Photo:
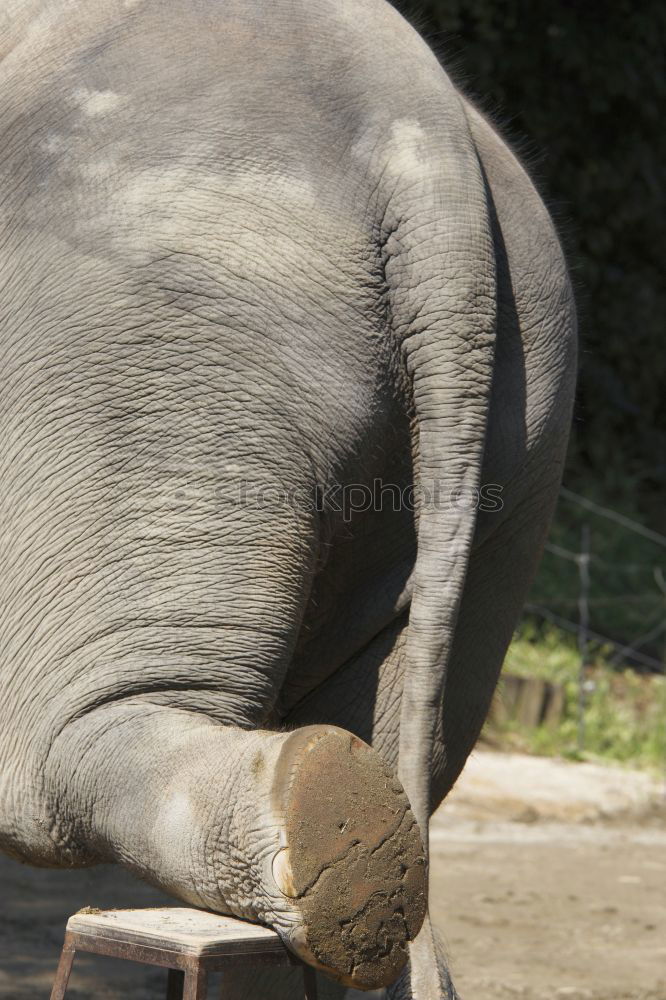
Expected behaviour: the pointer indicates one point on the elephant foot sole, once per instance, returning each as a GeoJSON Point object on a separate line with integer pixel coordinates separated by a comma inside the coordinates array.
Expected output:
{"type": "Point", "coordinates": [352, 862]}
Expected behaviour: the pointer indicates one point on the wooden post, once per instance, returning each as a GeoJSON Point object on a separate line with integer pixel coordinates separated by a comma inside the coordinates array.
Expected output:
{"type": "Point", "coordinates": [175, 983]}
{"type": "Point", "coordinates": [310, 983]}
{"type": "Point", "coordinates": [583, 626]}
{"type": "Point", "coordinates": [64, 969]}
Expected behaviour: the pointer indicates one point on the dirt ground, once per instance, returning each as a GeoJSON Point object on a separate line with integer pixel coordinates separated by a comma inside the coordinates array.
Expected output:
{"type": "Point", "coordinates": [549, 883]}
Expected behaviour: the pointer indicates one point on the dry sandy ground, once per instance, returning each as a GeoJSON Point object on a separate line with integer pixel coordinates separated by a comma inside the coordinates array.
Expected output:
{"type": "Point", "coordinates": [549, 883]}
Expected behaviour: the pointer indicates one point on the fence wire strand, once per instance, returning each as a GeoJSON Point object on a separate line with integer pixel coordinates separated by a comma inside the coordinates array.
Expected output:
{"type": "Point", "coordinates": [630, 651]}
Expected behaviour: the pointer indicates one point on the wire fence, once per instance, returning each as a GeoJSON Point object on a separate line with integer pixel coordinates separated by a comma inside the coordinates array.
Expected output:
{"type": "Point", "coordinates": [609, 591]}
{"type": "Point", "coordinates": [616, 603]}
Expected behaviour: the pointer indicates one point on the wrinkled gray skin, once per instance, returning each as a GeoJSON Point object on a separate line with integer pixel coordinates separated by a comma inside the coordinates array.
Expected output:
{"type": "Point", "coordinates": [270, 242]}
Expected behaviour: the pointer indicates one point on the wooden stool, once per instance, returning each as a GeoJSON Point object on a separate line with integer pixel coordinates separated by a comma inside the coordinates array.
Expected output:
{"type": "Point", "coordinates": [189, 943]}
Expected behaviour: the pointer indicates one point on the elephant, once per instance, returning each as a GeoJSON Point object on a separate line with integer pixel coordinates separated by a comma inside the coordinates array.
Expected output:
{"type": "Point", "coordinates": [288, 358]}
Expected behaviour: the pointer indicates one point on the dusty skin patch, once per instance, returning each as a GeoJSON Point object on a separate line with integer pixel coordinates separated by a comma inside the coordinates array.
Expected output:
{"type": "Point", "coordinates": [403, 154]}
{"type": "Point", "coordinates": [97, 102]}
{"type": "Point", "coordinates": [258, 764]}
{"type": "Point", "coordinates": [407, 141]}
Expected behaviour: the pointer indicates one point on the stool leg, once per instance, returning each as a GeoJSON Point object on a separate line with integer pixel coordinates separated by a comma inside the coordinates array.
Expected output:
{"type": "Point", "coordinates": [175, 981]}
{"type": "Point", "coordinates": [63, 971]}
{"type": "Point", "coordinates": [310, 983]}
{"type": "Point", "coordinates": [196, 983]}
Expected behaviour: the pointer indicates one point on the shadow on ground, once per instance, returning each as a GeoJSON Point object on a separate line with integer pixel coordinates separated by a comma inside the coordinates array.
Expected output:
{"type": "Point", "coordinates": [35, 904]}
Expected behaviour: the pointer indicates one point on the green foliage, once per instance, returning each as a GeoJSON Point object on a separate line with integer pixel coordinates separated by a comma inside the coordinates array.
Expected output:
{"type": "Point", "coordinates": [625, 713]}
{"type": "Point", "coordinates": [585, 85]}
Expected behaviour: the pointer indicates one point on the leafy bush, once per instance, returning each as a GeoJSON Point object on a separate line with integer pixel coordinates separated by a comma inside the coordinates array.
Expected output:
{"type": "Point", "coordinates": [625, 713]}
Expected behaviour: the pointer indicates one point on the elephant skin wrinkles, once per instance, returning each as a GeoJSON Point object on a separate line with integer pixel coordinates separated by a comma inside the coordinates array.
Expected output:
{"type": "Point", "coordinates": [252, 253]}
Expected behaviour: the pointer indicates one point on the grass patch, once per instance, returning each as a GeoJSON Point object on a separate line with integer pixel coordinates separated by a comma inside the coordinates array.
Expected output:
{"type": "Point", "coordinates": [625, 712]}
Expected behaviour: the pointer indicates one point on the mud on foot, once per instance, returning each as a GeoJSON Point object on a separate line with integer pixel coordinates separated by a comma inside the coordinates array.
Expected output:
{"type": "Point", "coordinates": [352, 860]}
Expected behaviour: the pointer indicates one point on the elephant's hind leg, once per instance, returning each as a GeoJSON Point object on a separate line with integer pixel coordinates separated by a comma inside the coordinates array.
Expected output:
{"type": "Point", "coordinates": [306, 831]}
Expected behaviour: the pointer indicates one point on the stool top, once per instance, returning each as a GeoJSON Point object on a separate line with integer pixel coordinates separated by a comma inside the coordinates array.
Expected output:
{"type": "Point", "coordinates": [178, 928]}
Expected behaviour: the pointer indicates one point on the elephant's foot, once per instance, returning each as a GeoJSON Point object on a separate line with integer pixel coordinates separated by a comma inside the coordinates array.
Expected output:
{"type": "Point", "coordinates": [308, 832]}
{"type": "Point", "coordinates": [352, 862]}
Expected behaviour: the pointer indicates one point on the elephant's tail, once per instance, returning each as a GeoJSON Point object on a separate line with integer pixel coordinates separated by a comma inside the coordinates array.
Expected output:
{"type": "Point", "coordinates": [439, 265]}
{"type": "Point", "coordinates": [440, 273]}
